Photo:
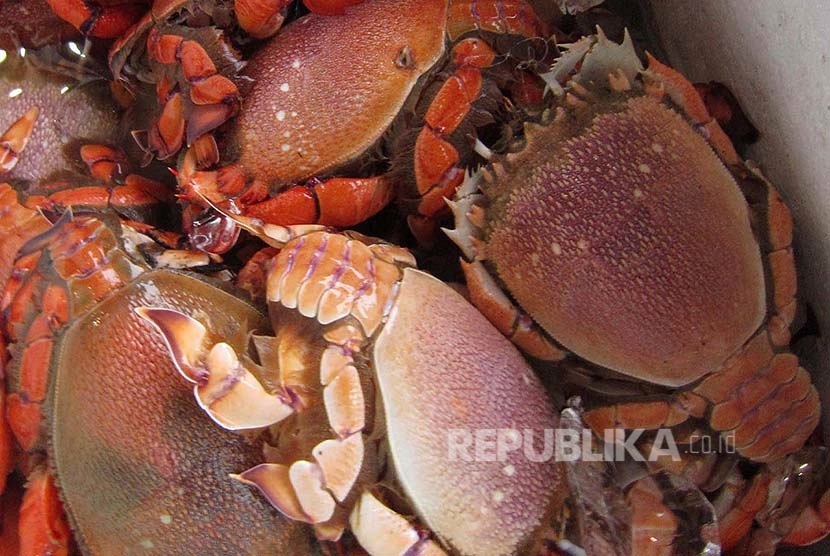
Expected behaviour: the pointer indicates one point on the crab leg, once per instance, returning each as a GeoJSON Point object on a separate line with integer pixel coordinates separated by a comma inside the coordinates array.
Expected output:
{"type": "Point", "coordinates": [223, 385]}
{"type": "Point", "coordinates": [260, 18]}
{"type": "Point", "coordinates": [196, 98]}
{"type": "Point", "coordinates": [330, 7]}
{"type": "Point", "coordinates": [337, 202]}
{"type": "Point", "coordinates": [380, 530]}
{"type": "Point", "coordinates": [349, 279]}
{"type": "Point", "coordinates": [19, 224]}
{"type": "Point", "coordinates": [437, 171]}
{"type": "Point", "coordinates": [14, 140]}
{"type": "Point", "coordinates": [137, 198]}
{"type": "Point", "coordinates": [43, 527]}
{"type": "Point", "coordinates": [509, 319]}
{"type": "Point", "coordinates": [661, 79]}
{"type": "Point", "coordinates": [107, 21]}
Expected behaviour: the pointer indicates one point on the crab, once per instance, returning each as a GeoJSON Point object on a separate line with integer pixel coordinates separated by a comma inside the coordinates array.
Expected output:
{"type": "Point", "coordinates": [635, 242]}
{"type": "Point", "coordinates": [315, 115]}
{"type": "Point", "coordinates": [371, 365]}
{"type": "Point", "coordinates": [131, 462]}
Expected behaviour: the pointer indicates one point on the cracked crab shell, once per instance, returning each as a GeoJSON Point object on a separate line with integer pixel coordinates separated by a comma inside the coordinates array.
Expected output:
{"type": "Point", "coordinates": [445, 374]}
{"type": "Point", "coordinates": [326, 88]}
{"type": "Point", "coordinates": [627, 239]}
{"type": "Point", "coordinates": [140, 467]}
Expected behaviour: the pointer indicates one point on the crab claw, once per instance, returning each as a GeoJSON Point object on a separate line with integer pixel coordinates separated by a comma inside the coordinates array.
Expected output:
{"type": "Point", "coordinates": [223, 386]}
{"type": "Point", "coordinates": [14, 140]}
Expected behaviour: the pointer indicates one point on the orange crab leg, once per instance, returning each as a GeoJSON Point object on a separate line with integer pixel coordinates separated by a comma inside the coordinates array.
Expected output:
{"type": "Point", "coordinates": [260, 18]}
{"type": "Point", "coordinates": [684, 94]}
{"type": "Point", "coordinates": [437, 173]}
{"type": "Point", "coordinates": [14, 140]}
{"type": "Point", "coordinates": [736, 524]}
{"type": "Point", "coordinates": [513, 323]}
{"type": "Point", "coordinates": [50, 313]}
{"type": "Point", "coordinates": [337, 202]}
{"type": "Point", "coordinates": [43, 525]}
{"type": "Point", "coordinates": [94, 19]}
{"type": "Point", "coordinates": [653, 525]}
{"type": "Point", "coordinates": [636, 415]}
{"type": "Point", "coordinates": [104, 163]}
{"type": "Point", "coordinates": [6, 440]}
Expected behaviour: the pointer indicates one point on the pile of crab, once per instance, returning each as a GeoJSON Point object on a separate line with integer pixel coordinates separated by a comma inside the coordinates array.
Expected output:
{"type": "Point", "coordinates": [216, 339]}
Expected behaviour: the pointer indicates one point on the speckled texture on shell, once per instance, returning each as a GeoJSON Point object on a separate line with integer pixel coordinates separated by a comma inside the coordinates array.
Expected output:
{"type": "Point", "coordinates": [629, 242]}
{"type": "Point", "coordinates": [141, 467]}
{"type": "Point", "coordinates": [441, 366]}
{"type": "Point", "coordinates": [327, 87]}
{"type": "Point", "coordinates": [80, 114]}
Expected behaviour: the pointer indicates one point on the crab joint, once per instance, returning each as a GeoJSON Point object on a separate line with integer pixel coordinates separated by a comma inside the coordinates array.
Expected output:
{"type": "Point", "coordinates": [229, 393]}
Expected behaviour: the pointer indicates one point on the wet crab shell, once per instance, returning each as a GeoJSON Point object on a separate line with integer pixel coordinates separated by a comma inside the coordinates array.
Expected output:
{"type": "Point", "coordinates": [282, 134]}
{"type": "Point", "coordinates": [624, 236]}
{"type": "Point", "coordinates": [138, 467]}
{"type": "Point", "coordinates": [674, 224]}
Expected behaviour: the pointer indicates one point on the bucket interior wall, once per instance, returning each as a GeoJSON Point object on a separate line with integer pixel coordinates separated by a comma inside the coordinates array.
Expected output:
{"type": "Point", "coordinates": [775, 57]}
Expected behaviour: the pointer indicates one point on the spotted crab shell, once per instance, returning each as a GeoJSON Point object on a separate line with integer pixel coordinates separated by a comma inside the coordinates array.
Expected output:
{"type": "Point", "coordinates": [156, 478]}
{"type": "Point", "coordinates": [286, 133]}
{"type": "Point", "coordinates": [623, 234]}
{"type": "Point", "coordinates": [435, 377]}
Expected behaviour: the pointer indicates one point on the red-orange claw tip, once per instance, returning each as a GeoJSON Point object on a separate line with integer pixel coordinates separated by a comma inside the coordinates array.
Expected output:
{"type": "Point", "coordinates": [207, 117]}
{"type": "Point", "coordinates": [473, 52]}
{"type": "Point", "coordinates": [14, 140]}
{"type": "Point", "coordinates": [260, 18]}
{"type": "Point", "coordinates": [164, 48]}
{"type": "Point", "coordinates": [43, 526]}
{"type": "Point", "coordinates": [274, 482]}
{"type": "Point", "coordinates": [166, 137]}
{"type": "Point", "coordinates": [215, 89]}
{"type": "Point", "coordinates": [183, 336]}
{"type": "Point", "coordinates": [206, 151]}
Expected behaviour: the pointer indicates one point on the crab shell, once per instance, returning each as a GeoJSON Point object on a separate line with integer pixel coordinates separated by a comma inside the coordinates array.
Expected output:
{"type": "Point", "coordinates": [435, 367]}
{"type": "Point", "coordinates": [624, 236]}
{"type": "Point", "coordinates": [137, 465]}
{"type": "Point", "coordinates": [69, 114]}
{"type": "Point", "coordinates": [284, 136]}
